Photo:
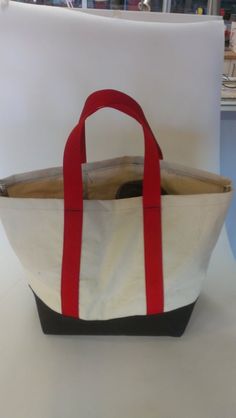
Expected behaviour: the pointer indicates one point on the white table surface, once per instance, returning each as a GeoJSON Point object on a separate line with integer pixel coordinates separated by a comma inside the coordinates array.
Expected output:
{"type": "Point", "coordinates": [113, 377]}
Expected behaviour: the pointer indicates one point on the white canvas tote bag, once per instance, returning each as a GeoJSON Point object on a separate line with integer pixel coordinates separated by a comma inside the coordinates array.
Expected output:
{"type": "Point", "coordinates": [97, 257]}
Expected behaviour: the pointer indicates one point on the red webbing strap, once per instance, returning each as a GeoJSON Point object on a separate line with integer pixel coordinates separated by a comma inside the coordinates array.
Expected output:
{"type": "Point", "coordinates": [74, 156]}
{"type": "Point", "coordinates": [83, 147]}
{"type": "Point", "coordinates": [94, 100]}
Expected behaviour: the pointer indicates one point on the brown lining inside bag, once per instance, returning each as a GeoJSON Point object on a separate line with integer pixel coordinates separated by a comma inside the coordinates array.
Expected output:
{"type": "Point", "coordinates": [102, 181]}
{"type": "Point", "coordinates": [44, 189]}
{"type": "Point", "coordinates": [53, 189]}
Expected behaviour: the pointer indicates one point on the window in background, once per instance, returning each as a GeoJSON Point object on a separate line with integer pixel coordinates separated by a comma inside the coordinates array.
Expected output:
{"type": "Point", "coordinates": [152, 5]}
{"type": "Point", "coordinates": [189, 6]}
{"type": "Point", "coordinates": [228, 6]}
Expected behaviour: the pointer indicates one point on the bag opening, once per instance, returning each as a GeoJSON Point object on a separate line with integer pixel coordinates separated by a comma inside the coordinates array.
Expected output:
{"type": "Point", "coordinates": [114, 179]}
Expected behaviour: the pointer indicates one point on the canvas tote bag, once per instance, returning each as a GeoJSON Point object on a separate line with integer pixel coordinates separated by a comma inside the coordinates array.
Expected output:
{"type": "Point", "coordinates": [118, 246]}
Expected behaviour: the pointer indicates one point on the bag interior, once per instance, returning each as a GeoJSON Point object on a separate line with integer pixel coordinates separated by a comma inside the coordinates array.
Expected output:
{"type": "Point", "coordinates": [121, 178]}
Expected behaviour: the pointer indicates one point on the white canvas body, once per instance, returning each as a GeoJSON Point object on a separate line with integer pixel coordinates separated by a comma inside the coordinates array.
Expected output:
{"type": "Point", "coordinates": [112, 278]}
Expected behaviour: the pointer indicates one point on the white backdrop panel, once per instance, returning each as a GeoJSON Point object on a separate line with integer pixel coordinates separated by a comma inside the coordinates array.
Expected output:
{"type": "Point", "coordinates": [52, 58]}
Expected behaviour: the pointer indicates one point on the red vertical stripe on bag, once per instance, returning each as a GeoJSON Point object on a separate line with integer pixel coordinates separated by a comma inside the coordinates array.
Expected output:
{"type": "Point", "coordinates": [73, 223]}
{"type": "Point", "coordinates": [71, 263]}
{"type": "Point", "coordinates": [83, 147]}
{"type": "Point", "coordinates": [153, 264]}
{"type": "Point", "coordinates": [152, 226]}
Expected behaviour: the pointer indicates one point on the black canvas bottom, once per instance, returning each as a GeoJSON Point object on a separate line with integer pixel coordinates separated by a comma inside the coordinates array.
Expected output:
{"type": "Point", "coordinates": [171, 323]}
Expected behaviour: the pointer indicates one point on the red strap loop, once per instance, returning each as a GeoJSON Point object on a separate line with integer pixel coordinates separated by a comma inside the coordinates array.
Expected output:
{"type": "Point", "coordinates": [74, 156]}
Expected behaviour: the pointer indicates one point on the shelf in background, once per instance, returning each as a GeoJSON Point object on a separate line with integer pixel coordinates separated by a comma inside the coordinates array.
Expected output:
{"type": "Point", "coordinates": [228, 105]}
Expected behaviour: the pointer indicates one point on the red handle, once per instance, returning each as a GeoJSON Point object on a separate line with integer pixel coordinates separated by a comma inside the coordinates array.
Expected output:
{"type": "Point", "coordinates": [74, 156]}
{"type": "Point", "coordinates": [75, 149]}
{"type": "Point", "coordinates": [116, 100]}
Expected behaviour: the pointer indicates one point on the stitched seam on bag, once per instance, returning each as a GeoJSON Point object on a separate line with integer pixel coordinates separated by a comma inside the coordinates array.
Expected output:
{"type": "Point", "coordinates": [30, 180]}
{"type": "Point", "coordinates": [25, 174]}
{"type": "Point", "coordinates": [226, 187]}
{"type": "Point", "coordinates": [62, 209]}
{"type": "Point", "coordinates": [115, 210]}
{"type": "Point", "coordinates": [116, 162]}
{"type": "Point", "coordinates": [167, 169]}
{"type": "Point", "coordinates": [106, 168]}
{"type": "Point", "coordinates": [178, 173]}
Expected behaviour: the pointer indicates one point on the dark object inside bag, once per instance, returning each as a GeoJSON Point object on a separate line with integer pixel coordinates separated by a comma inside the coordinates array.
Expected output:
{"type": "Point", "coordinates": [133, 189]}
